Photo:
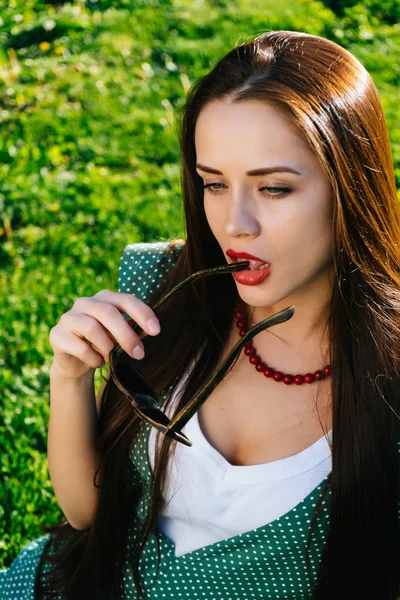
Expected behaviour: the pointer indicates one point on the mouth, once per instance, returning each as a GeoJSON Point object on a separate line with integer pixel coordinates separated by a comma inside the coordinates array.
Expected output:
{"type": "Point", "coordinates": [255, 265]}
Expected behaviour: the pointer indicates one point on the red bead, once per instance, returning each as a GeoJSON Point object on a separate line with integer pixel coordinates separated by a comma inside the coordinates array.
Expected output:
{"type": "Point", "coordinates": [262, 367]}
{"type": "Point", "coordinates": [249, 351]}
{"type": "Point", "coordinates": [268, 372]}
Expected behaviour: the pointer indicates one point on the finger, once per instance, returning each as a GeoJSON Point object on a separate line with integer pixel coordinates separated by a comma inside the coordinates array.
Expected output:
{"type": "Point", "coordinates": [73, 345]}
{"type": "Point", "coordinates": [92, 331]}
{"type": "Point", "coordinates": [104, 326]}
{"type": "Point", "coordinates": [140, 312]}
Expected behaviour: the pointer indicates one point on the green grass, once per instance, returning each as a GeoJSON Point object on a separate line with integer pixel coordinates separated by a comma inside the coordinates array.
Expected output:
{"type": "Point", "coordinates": [89, 162]}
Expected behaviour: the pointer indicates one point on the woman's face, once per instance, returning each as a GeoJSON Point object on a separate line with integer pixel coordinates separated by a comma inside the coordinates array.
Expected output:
{"type": "Point", "coordinates": [289, 228]}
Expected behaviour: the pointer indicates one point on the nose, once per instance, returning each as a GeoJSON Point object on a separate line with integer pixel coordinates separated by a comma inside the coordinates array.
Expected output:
{"type": "Point", "coordinates": [241, 219]}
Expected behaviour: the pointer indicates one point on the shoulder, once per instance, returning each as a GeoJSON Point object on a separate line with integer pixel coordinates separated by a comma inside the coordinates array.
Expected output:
{"type": "Point", "coordinates": [143, 265]}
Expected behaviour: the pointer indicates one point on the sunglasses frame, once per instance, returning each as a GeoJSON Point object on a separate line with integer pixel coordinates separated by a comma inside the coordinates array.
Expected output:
{"type": "Point", "coordinates": [146, 401]}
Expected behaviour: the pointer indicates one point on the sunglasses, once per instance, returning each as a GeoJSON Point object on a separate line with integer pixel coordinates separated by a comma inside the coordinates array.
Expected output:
{"type": "Point", "coordinates": [139, 391]}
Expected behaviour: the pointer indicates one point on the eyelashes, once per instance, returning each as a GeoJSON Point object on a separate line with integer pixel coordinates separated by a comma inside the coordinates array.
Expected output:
{"type": "Point", "coordinates": [281, 191]}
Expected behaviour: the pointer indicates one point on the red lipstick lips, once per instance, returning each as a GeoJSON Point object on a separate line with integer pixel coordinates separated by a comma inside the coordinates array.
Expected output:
{"type": "Point", "coordinates": [255, 274]}
{"type": "Point", "coordinates": [233, 254]}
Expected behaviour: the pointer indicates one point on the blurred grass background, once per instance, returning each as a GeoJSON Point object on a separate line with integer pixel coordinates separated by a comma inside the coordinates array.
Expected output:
{"type": "Point", "coordinates": [89, 162]}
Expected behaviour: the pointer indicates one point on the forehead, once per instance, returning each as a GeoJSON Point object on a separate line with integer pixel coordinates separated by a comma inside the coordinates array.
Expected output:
{"type": "Point", "coordinates": [249, 131]}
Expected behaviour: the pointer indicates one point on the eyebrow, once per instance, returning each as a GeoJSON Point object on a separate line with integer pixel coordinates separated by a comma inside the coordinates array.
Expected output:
{"type": "Point", "coordinates": [254, 172]}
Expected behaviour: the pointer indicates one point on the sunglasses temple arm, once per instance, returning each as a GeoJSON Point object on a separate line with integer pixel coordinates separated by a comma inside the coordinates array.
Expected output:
{"type": "Point", "coordinates": [182, 417]}
{"type": "Point", "coordinates": [219, 270]}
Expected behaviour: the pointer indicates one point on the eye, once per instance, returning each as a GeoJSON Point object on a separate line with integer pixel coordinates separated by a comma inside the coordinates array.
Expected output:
{"type": "Point", "coordinates": [277, 191]}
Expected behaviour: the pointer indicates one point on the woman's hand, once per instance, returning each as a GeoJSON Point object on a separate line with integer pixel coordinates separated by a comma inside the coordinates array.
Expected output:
{"type": "Point", "coordinates": [85, 335]}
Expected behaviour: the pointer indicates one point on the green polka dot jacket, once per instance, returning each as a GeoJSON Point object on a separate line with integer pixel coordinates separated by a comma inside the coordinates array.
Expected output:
{"type": "Point", "coordinates": [266, 563]}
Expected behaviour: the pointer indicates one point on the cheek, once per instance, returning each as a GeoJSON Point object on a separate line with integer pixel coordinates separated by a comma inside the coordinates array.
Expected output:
{"type": "Point", "coordinates": [303, 233]}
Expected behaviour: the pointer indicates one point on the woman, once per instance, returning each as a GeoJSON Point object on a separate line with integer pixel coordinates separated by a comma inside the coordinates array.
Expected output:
{"type": "Point", "coordinates": [282, 512]}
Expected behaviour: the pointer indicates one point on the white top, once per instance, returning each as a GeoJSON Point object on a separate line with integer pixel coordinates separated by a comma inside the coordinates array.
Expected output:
{"type": "Point", "coordinates": [208, 499]}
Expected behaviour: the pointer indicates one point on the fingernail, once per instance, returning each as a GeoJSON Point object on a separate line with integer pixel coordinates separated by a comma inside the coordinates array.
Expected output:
{"type": "Point", "coordinates": [138, 352]}
{"type": "Point", "coordinates": [153, 326]}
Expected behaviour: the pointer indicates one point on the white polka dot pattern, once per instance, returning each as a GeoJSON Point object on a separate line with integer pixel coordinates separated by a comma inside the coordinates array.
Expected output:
{"type": "Point", "coordinates": [140, 271]}
{"type": "Point", "coordinates": [265, 563]}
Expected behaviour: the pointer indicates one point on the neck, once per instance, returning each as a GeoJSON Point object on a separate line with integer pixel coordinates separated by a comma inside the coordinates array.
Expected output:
{"type": "Point", "coordinates": [299, 345]}
{"type": "Point", "coordinates": [302, 343]}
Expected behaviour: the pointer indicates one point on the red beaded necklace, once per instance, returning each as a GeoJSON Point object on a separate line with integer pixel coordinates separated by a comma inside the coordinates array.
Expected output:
{"type": "Point", "coordinates": [262, 367]}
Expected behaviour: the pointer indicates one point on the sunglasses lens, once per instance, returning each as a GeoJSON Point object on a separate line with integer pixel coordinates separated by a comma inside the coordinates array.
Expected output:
{"type": "Point", "coordinates": [144, 398]}
{"type": "Point", "coordinates": [136, 385]}
{"type": "Point", "coordinates": [156, 417]}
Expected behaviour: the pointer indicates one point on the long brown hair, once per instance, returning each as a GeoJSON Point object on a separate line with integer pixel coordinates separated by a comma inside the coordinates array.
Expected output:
{"type": "Point", "coordinates": [334, 103]}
